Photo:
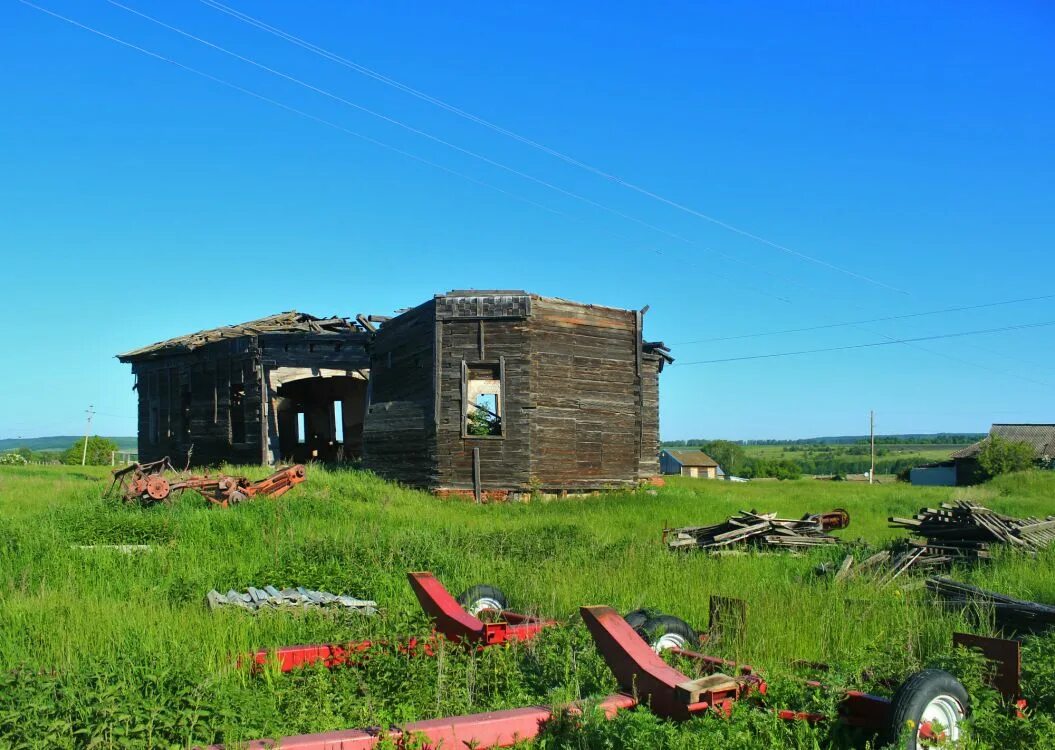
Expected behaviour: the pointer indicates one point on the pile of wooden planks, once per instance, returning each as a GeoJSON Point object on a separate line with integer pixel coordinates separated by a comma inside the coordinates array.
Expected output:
{"type": "Point", "coordinates": [1008, 613]}
{"type": "Point", "coordinates": [965, 531]}
{"type": "Point", "coordinates": [750, 528]}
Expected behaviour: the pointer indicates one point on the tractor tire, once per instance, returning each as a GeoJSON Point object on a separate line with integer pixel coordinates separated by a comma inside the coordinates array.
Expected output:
{"type": "Point", "coordinates": [666, 631]}
{"type": "Point", "coordinates": [482, 597]}
{"type": "Point", "coordinates": [928, 705]}
{"type": "Point", "coordinates": [637, 618]}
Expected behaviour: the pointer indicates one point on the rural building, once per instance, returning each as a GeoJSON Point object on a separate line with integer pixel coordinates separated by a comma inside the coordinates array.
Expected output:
{"type": "Point", "coordinates": [476, 392]}
{"type": "Point", "coordinates": [962, 468]}
{"type": "Point", "coordinates": [290, 387]}
{"type": "Point", "coordinates": [1040, 437]}
{"type": "Point", "coordinates": [689, 464]}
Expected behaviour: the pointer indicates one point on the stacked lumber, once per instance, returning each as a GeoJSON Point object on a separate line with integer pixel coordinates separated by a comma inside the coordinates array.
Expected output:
{"type": "Point", "coordinates": [1008, 613]}
{"type": "Point", "coordinates": [749, 528]}
{"type": "Point", "coordinates": [967, 532]}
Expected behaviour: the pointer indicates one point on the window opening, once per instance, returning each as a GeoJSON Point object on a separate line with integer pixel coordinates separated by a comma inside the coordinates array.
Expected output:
{"type": "Point", "coordinates": [483, 403]}
{"type": "Point", "coordinates": [338, 421]}
{"type": "Point", "coordinates": [236, 406]}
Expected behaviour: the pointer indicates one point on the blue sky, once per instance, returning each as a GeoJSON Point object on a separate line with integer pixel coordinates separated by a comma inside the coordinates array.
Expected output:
{"type": "Point", "coordinates": [909, 143]}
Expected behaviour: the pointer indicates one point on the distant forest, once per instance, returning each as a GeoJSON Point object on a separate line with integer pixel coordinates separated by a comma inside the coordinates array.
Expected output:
{"type": "Point", "coordinates": [937, 438]}
{"type": "Point", "coordinates": [58, 443]}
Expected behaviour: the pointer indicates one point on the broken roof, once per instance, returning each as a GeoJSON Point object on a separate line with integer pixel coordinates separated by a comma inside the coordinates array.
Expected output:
{"type": "Point", "coordinates": [1041, 437]}
{"type": "Point", "coordinates": [692, 458]}
{"type": "Point", "coordinates": [285, 322]}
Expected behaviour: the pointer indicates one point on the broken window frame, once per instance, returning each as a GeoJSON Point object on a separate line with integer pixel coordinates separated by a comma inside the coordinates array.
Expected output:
{"type": "Point", "coordinates": [500, 399]}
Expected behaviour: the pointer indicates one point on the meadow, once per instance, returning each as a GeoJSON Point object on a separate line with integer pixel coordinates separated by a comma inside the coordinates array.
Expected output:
{"type": "Point", "coordinates": [100, 648]}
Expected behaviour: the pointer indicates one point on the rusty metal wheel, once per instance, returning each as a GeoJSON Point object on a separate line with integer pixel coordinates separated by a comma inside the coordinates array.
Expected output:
{"type": "Point", "coordinates": [157, 488]}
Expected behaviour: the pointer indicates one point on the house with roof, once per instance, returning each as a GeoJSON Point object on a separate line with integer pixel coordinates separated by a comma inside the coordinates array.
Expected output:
{"type": "Point", "coordinates": [690, 463]}
{"type": "Point", "coordinates": [479, 392]}
{"type": "Point", "coordinates": [962, 467]}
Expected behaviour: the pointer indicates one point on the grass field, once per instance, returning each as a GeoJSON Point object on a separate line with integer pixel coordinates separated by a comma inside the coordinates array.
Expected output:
{"type": "Point", "coordinates": [104, 649]}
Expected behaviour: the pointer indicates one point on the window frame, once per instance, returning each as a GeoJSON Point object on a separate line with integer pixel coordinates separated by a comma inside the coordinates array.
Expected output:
{"type": "Point", "coordinates": [464, 415]}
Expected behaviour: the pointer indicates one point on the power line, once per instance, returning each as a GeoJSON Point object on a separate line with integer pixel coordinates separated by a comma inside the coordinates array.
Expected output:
{"type": "Point", "coordinates": [462, 150]}
{"type": "Point", "coordinates": [333, 57]}
{"type": "Point", "coordinates": [387, 146]}
{"type": "Point", "coordinates": [861, 322]}
{"type": "Point", "coordinates": [868, 345]}
{"type": "Point", "coordinates": [288, 108]}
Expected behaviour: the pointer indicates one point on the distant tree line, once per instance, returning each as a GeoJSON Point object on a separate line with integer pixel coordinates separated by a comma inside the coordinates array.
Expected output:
{"type": "Point", "coordinates": [939, 438]}
{"type": "Point", "coordinates": [99, 452]}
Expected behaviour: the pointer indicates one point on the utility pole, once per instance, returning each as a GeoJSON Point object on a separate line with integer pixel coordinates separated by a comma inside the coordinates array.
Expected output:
{"type": "Point", "coordinates": [87, 429]}
{"type": "Point", "coordinates": [872, 432]}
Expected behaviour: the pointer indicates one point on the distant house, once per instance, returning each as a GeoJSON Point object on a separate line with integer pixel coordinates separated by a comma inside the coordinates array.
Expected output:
{"type": "Point", "coordinates": [689, 464]}
{"type": "Point", "coordinates": [962, 467]}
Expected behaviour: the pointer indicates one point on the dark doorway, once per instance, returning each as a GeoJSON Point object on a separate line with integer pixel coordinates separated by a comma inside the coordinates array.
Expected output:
{"type": "Point", "coordinates": [321, 419]}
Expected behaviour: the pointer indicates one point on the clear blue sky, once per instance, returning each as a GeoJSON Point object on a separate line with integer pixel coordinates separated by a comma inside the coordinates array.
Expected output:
{"type": "Point", "coordinates": [911, 143]}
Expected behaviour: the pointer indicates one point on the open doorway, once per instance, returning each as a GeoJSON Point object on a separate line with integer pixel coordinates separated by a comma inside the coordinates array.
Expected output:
{"type": "Point", "coordinates": [321, 419]}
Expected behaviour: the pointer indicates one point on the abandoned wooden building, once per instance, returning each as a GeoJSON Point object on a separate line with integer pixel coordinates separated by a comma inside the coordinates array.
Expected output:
{"type": "Point", "coordinates": [474, 392]}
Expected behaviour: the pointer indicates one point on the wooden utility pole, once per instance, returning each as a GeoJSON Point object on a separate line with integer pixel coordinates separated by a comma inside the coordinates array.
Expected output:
{"type": "Point", "coordinates": [872, 432]}
{"type": "Point", "coordinates": [87, 430]}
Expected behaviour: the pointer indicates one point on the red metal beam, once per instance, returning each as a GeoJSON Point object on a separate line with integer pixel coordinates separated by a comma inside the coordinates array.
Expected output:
{"type": "Point", "coordinates": [491, 729]}
{"type": "Point", "coordinates": [666, 691]}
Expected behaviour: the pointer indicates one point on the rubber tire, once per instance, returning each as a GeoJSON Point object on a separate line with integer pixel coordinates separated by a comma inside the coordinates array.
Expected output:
{"type": "Point", "coordinates": [637, 618]}
{"type": "Point", "coordinates": [481, 591]}
{"type": "Point", "coordinates": [656, 626]}
{"type": "Point", "coordinates": [915, 694]}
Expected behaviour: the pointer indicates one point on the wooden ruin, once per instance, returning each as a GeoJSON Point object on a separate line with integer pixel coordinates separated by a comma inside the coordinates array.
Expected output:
{"type": "Point", "coordinates": [483, 393]}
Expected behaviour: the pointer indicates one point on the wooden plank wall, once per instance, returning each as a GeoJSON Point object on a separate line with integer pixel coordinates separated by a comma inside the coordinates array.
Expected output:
{"type": "Point", "coordinates": [205, 376]}
{"type": "Point", "coordinates": [648, 452]}
{"type": "Point", "coordinates": [399, 430]}
{"type": "Point", "coordinates": [586, 428]}
{"type": "Point", "coordinates": [504, 460]}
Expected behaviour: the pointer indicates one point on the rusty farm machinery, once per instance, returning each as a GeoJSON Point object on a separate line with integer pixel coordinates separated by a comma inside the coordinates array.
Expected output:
{"type": "Point", "coordinates": [157, 482]}
{"type": "Point", "coordinates": [927, 709]}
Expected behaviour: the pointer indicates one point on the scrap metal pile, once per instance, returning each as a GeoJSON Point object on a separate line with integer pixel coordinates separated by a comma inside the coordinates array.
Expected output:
{"type": "Point", "coordinates": [763, 530]}
{"type": "Point", "coordinates": [1008, 613]}
{"type": "Point", "coordinates": [299, 598]}
{"type": "Point", "coordinates": [158, 481]}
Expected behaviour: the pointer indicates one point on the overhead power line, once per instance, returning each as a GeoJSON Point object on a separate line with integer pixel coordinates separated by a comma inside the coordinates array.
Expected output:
{"type": "Point", "coordinates": [847, 347]}
{"type": "Point", "coordinates": [475, 155]}
{"type": "Point", "coordinates": [862, 322]}
{"type": "Point", "coordinates": [293, 110]}
{"type": "Point", "coordinates": [333, 57]}
{"type": "Point", "coordinates": [408, 154]}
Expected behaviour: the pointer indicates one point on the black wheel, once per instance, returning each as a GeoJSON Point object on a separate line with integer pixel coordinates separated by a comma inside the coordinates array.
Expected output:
{"type": "Point", "coordinates": [928, 710]}
{"type": "Point", "coordinates": [481, 597]}
{"type": "Point", "coordinates": [637, 618]}
{"type": "Point", "coordinates": [666, 631]}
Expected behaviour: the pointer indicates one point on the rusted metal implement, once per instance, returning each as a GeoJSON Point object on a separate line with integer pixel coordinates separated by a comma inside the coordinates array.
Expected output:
{"type": "Point", "coordinates": [761, 530]}
{"type": "Point", "coordinates": [147, 484]}
{"type": "Point", "coordinates": [931, 704]}
{"type": "Point", "coordinates": [451, 620]}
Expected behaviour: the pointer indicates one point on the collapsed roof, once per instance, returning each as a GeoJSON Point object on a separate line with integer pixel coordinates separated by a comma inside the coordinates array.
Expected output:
{"type": "Point", "coordinates": [285, 322]}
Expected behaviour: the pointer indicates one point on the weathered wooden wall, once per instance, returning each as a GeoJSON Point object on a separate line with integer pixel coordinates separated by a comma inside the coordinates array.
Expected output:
{"type": "Point", "coordinates": [579, 397]}
{"type": "Point", "coordinates": [185, 399]}
{"type": "Point", "coordinates": [504, 460]}
{"type": "Point", "coordinates": [587, 430]}
{"type": "Point", "coordinates": [400, 427]}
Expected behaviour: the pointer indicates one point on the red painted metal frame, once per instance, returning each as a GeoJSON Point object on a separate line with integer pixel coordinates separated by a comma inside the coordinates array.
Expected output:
{"type": "Point", "coordinates": [644, 676]}
{"type": "Point", "coordinates": [666, 691]}
{"type": "Point", "coordinates": [450, 620]}
{"type": "Point", "coordinates": [455, 624]}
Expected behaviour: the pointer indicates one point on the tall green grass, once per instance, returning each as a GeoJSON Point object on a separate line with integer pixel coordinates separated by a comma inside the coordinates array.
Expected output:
{"type": "Point", "coordinates": [97, 646]}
